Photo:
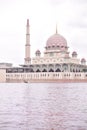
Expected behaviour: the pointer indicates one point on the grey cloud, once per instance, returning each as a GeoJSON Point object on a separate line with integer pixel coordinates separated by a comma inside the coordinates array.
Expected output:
{"type": "Point", "coordinates": [77, 24]}
{"type": "Point", "coordinates": [81, 1]}
{"type": "Point", "coordinates": [56, 2]}
{"type": "Point", "coordinates": [77, 1]}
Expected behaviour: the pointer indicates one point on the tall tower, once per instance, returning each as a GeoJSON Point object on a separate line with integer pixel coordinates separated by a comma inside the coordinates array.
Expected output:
{"type": "Point", "coordinates": [27, 45]}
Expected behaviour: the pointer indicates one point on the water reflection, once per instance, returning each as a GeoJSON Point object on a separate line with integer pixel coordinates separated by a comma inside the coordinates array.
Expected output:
{"type": "Point", "coordinates": [43, 106]}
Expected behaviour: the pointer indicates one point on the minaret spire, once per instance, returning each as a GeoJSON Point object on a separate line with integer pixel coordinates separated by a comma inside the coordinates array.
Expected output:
{"type": "Point", "coordinates": [27, 22]}
{"type": "Point", "coordinates": [27, 45]}
{"type": "Point", "coordinates": [56, 29]}
{"type": "Point", "coordinates": [27, 27]}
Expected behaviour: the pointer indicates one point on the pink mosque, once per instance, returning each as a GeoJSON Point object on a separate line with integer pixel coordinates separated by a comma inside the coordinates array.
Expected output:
{"type": "Point", "coordinates": [55, 66]}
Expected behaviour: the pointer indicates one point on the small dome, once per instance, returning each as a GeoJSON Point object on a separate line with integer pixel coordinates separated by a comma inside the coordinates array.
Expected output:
{"type": "Point", "coordinates": [74, 53]}
{"type": "Point", "coordinates": [83, 60]}
{"type": "Point", "coordinates": [56, 40]}
{"type": "Point", "coordinates": [38, 52]}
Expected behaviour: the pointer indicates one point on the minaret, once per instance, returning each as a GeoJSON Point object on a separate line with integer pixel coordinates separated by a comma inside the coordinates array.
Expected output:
{"type": "Point", "coordinates": [27, 45]}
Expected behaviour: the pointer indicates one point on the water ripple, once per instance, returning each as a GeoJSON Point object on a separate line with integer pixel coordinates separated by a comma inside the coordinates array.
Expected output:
{"type": "Point", "coordinates": [43, 106]}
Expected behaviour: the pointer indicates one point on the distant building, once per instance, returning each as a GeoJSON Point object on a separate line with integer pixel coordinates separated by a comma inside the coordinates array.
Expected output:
{"type": "Point", "coordinates": [56, 65]}
{"type": "Point", "coordinates": [5, 65]}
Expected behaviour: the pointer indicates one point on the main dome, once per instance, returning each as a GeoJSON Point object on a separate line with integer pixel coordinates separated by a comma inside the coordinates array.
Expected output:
{"type": "Point", "coordinates": [56, 40]}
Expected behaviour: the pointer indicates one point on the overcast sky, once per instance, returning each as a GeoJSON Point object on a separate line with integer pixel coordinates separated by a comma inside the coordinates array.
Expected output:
{"type": "Point", "coordinates": [70, 16]}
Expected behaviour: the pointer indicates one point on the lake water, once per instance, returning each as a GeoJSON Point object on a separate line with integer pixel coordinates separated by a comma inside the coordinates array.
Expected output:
{"type": "Point", "coordinates": [43, 106]}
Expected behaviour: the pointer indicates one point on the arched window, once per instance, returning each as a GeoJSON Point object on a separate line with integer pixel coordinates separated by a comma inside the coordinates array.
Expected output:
{"type": "Point", "coordinates": [58, 70]}
{"type": "Point", "coordinates": [38, 70]}
{"type": "Point", "coordinates": [73, 70]}
{"type": "Point", "coordinates": [51, 70]}
{"type": "Point", "coordinates": [44, 70]}
{"type": "Point", "coordinates": [31, 70]}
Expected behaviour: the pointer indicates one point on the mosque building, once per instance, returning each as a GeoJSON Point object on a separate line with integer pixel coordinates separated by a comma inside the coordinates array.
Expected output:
{"type": "Point", "coordinates": [55, 66]}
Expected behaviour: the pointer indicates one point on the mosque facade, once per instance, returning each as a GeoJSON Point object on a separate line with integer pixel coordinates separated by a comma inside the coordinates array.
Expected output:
{"type": "Point", "coordinates": [56, 65]}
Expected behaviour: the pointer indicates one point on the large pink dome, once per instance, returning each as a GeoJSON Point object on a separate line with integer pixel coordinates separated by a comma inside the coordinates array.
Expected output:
{"type": "Point", "coordinates": [56, 40]}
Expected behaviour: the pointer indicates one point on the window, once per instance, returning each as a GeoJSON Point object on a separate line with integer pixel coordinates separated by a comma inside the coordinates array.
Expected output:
{"type": "Point", "coordinates": [51, 54]}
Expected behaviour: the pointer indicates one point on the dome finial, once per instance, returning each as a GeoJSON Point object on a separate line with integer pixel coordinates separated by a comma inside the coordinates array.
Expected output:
{"type": "Point", "coordinates": [56, 29]}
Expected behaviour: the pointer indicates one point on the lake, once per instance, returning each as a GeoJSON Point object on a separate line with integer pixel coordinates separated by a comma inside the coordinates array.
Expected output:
{"type": "Point", "coordinates": [43, 106]}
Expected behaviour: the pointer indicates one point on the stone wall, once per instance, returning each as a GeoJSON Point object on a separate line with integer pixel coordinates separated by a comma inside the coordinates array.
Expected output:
{"type": "Point", "coordinates": [46, 77]}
